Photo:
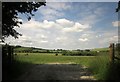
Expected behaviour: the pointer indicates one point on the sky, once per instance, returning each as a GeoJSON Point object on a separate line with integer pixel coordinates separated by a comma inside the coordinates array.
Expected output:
{"type": "Point", "coordinates": [69, 25]}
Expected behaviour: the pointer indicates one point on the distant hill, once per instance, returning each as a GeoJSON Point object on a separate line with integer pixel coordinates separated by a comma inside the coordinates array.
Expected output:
{"type": "Point", "coordinates": [33, 49]}
{"type": "Point", "coordinates": [28, 49]}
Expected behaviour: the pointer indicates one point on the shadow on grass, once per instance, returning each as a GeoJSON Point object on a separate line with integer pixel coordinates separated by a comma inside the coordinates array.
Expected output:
{"type": "Point", "coordinates": [113, 72]}
{"type": "Point", "coordinates": [13, 70]}
{"type": "Point", "coordinates": [27, 72]}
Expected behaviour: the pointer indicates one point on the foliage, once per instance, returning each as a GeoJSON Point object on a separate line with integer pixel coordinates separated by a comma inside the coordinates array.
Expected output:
{"type": "Point", "coordinates": [79, 53]}
{"type": "Point", "coordinates": [118, 8]}
{"type": "Point", "coordinates": [10, 17]}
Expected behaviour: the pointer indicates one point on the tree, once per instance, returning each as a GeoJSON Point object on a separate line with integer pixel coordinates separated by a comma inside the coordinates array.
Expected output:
{"type": "Point", "coordinates": [10, 17]}
{"type": "Point", "coordinates": [118, 8]}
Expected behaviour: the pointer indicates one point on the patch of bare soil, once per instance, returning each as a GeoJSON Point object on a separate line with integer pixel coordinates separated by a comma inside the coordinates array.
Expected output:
{"type": "Point", "coordinates": [57, 71]}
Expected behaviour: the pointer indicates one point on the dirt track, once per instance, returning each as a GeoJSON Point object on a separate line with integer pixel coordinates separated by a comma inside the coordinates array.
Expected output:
{"type": "Point", "coordinates": [57, 72]}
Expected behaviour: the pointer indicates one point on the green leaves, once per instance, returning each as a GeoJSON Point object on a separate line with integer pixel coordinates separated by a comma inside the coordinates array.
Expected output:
{"type": "Point", "coordinates": [10, 12]}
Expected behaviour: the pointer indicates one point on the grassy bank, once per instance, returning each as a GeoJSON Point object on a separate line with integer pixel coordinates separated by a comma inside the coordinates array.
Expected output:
{"type": "Point", "coordinates": [103, 69]}
{"type": "Point", "coordinates": [99, 66]}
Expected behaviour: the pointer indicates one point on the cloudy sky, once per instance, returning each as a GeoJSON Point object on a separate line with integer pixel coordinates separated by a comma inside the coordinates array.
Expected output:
{"type": "Point", "coordinates": [70, 25]}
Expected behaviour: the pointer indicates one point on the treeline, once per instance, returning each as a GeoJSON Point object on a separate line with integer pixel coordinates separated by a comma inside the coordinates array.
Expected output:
{"type": "Point", "coordinates": [79, 53]}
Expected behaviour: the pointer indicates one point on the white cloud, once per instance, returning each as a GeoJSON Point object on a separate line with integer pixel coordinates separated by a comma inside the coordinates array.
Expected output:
{"type": "Point", "coordinates": [43, 36]}
{"type": "Point", "coordinates": [64, 22]}
{"type": "Point", "coordinates": [58, 6]}
{"type": "Point", "coordinates": [61, 24]}
{"type": "Point", "coordinates": [36, 24]}
{"type": "Point", "coordinates": [83, 39]}
{"type": "Point", "coordinates": [49, 11]}
{"type": "Point", "coordinates": [91, 13]}
{"type": "Point", "coordinates": [60, 34]}
{"type": "Point", "coordinates": [116, 23]}
{"type": "Point", "coordinates": [77, 27]}
{"type": "Point", "coordinates": [25, 37]}
{"type": "Point", "coordinates": [108, 37]}
{"type": "Point", "coordinates": [31, 24]}
{"type": "Point", "coordinates": [66, 26]}
{"type": "Point", "coordinates": [113, 39]}
{"type": "Point", "coordinates": [43, 41]}
{"type": "Point", "coordinates": [53, 10]}
{"type": "Point", "coordinates": [90, 19]}
{"type": "Point", "coordinates": [50, 33]}
{"type": "Point", "coordinates": [61, 39]}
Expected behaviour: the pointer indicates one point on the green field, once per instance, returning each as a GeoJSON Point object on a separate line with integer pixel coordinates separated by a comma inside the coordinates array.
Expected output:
{"type": "Point", "coordinates": [24, 63]}
{"type": "Point", "coordinates": [98, 65]}
{"type": "Point", "coordinates": [44, 58]}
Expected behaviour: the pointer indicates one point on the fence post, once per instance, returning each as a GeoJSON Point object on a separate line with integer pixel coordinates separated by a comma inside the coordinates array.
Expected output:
{"type": "Point", "coordinates": [112, 53]}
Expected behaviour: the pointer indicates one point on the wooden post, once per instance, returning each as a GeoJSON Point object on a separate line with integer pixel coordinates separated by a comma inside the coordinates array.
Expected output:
{"type": "Point", "coordinates": [111, 53]}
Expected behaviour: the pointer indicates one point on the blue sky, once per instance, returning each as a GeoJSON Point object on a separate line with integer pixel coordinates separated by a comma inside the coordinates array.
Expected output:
{"type": "Point", "coordinates": [70, 25]}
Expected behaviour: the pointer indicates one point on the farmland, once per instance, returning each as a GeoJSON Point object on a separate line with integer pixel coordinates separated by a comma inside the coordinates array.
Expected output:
{"type": "Point", "coordinates": [73, 61]}
{"type": "Point", "coordinates": [44, 58]}
{"type": "Point", "coordinates": [25, 62]}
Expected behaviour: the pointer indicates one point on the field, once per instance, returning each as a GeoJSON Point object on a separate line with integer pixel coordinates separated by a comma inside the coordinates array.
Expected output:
{"type": "Point", "coordinates": [45, 58]}
{"type": "Point", "coordinates": [49, 62]}
{"type": "Point", "coordinates": [97, 65]}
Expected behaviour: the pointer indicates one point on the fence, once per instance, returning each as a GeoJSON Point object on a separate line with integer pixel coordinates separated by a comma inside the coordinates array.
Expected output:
{"type": "Point", "coordinates": [114, 52]}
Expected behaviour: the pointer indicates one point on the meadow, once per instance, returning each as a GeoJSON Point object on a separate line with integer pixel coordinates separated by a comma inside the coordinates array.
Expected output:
{"type": "Point", "coordinates": [96, 64]}
{"type": "Point", "coordinates": [45, 58]}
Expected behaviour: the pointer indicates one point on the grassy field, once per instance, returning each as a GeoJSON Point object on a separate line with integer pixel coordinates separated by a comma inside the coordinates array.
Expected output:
{"type": "Point", "coordinates": [98, 65]}
{"type": "Point", "coordinates": [23, 63]}
{"type": "Point", "coordinates": [44, 58]}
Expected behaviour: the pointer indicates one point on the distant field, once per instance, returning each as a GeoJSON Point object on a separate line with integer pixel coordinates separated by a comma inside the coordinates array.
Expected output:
{"type": "Point", "coordinates": [44, 58]}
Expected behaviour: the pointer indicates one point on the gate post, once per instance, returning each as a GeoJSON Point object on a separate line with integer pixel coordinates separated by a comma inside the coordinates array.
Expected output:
{"type": "Point", "coordinates": [111, 52]}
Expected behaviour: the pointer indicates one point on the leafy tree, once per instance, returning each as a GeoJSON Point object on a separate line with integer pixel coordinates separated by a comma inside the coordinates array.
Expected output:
{"type": "Point", "coordinates": [10, 17]}
{"type": "Point", "coordinates": [118, 8]}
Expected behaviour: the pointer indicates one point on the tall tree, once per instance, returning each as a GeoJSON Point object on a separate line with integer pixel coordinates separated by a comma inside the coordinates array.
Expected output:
{"type": "Point", "coordinates": [118, 8]}
{"type": "Point", "coordinates": [10, 17]}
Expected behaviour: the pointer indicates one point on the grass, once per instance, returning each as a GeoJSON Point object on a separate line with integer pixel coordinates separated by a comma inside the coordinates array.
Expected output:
{"type": "Point", "coordinates": [98, 65]}
{"type": "Point", "coordinates": [23, 63]}
{"type": "Point", "coordinates": [43, 58]}
{"type": "Point", "coordinates": [103, 69]}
